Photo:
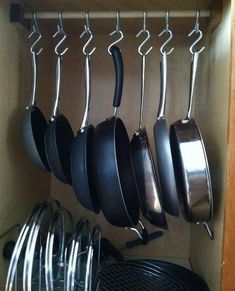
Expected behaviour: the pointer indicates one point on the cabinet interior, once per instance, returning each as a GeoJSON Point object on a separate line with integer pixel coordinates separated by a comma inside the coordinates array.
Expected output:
{"type": "Point", "coordinates": [22, 185]}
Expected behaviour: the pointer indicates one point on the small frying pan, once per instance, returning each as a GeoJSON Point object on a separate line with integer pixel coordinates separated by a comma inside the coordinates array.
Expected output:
{"type": "Point", "coordinates": [190, 162]}
{"type": "Point", "coordinates": [162, 144]}
{"type": "Point", "coordinates": [34, 124]}
{"type": "Point", "coordinates": [59, 135]}
{"type": "Point", "coordinates": [112, 162]}
{"type": "Point", "coordinates": [146, 176]}
{"type": "Point", "coordinates": [81, 152]}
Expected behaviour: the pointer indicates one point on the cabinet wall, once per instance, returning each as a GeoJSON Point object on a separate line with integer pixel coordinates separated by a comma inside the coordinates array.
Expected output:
{"type": "Point", "coordinates": [21, 185]}
{"type": "Point", "coordinates": [212, 113]}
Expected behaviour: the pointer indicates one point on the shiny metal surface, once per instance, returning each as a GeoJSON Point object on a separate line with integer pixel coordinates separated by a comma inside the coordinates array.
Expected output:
{"type": "Point", "coordinates": [87, 90]}
{"type": "Point", "coordinates": [87, 32]}
{"type": "Point", "coordinates": [161, 137]}
{"type": "Point", "coordinates": [60, 229]}
{"type": "Point", "coordinates": [193, 74]}
{"type": "Point", "coordinates": [145, 172]}
{"type": "Point", "coordinates": [143, 54]}
{"type": "Point", "coordinates": [190, 159]}
{"type": "Point", "coordinates": [147, 180]}
{"type": "Point", "coordinates": [20, 243]}
{"type": "Point", "coordinates": [60, 31]}
{"type": "Point", "coordinates": [162, 103]}
{"type": "Point", "coordinates": [93, 259]}
{"type": "Point", "coordinates": [35, 242]}
{"type": "Point", "coordinates": [191, 166]}
{"type": "Point", "coordinates": [34, 52]}
{"type": "Point", "coordinates": [77, 257]}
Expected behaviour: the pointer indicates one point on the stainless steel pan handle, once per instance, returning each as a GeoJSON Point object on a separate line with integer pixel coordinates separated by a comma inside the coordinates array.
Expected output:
{"type": "Point", "coordinates": [163, 69]}
{"type": "Point", "coordinates": [193, 73]}
{"type": "Point", "coordinates": [87, 91]}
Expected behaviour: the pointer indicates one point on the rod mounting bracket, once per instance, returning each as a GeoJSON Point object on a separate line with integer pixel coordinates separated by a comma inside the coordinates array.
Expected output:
{"type": "Point", "coordinates": [17, 15]}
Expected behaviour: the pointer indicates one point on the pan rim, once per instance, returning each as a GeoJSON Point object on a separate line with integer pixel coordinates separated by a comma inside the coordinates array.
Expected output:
{"type": "Point", "coordinates": [179, 125]}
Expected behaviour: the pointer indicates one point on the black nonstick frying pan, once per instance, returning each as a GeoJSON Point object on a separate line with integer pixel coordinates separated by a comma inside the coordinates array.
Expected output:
{"type": "Point", "coordinates": [190, 159]}
{"type": "Point", "coordinates": [162, 143]}
{"type": "Point", "coordinates": [34, 123]}
{"type": "Point", "coordinates": [112, 162]}
{"type": "Point", "coordinates": [81, 152]}
{"type": "Point", "coordinates": [59, 135]}
{"type": "Point", "coordinates": [146, 176]}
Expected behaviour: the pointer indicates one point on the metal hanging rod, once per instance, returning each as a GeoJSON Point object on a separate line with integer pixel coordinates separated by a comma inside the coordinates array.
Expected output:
{"type": "Point", "coordinates": [112, 14]}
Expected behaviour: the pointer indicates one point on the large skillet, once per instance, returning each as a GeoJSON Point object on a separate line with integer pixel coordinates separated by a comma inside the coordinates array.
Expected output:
{"type": "Point", "coordinates": [190, 163]}
{"type": "Point", "coordinates": [112, 161]}
{"type": "Point", "coordinates": [34, 123]}
{"type": "Point", "coordinates": [146, 176]}
{"type": "Point", "coordinates": [59, 134]}
{"type": "Point", "coordinates": [81, 154]}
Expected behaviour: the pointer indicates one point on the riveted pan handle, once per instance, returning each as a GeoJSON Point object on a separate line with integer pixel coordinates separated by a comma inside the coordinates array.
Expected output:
{"type": "Point", "coordinates": [118, 64]}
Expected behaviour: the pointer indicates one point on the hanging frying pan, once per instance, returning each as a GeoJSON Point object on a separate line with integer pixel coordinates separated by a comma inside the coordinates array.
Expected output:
{"type": "Point", "coordinates": [146, 176]}
{"type": "Point", "coordinates": [59, 134]}
{"type": "Point", "coordinates": [81, 152]}
{"type": "Point", "coordinates": [34, 123]}
{"type": "Point", "coordinates": [190, 159]}
{"type": "Point", "coordinates": [112, 162]}
{"type": "Point", "coordinates": [162, 143]}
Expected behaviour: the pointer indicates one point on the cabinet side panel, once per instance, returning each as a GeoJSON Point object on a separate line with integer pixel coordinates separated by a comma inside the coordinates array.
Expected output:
{"type": "Point", "coordinates": [229, 233]}
{"type": "Point", "coordinates": [211, 113]}
{"type": "Point", "coordinates": [21, 184]}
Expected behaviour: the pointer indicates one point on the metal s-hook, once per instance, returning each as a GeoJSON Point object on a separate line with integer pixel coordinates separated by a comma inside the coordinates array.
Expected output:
{"type": "Point", "coordinates": [116, 31]}
{"type": "Point", "coordinates": [35, 31]}
{"type": "Point", "coordinates": [88, 32]}
{"type": "Point", "coordinates": [196, 30]}
{"type": "Point", "coordinates": [144, 30]}
{"type": "Point", "coordinates": [60, 31]}
{"type": "Point", "coordinates": [163, 48]}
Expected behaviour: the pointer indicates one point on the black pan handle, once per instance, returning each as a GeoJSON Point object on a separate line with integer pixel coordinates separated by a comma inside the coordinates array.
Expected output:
{"type": "Point", "coordinates": [137, 242]}
{"type": "Point", "coordinates": [118, 64]}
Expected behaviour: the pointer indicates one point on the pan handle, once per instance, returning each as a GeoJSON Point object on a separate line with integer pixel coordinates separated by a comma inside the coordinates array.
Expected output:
{"type": "Point", "coordinates": [163, 70]}
{"type": "Point", "coordinates": [56, 109]}
{"type": "Point", "coordinates": [193, 73]}
{"type": "Point", "coordinates": [143, 234]}
{"type": "Point", "coordinates": [118, 64]}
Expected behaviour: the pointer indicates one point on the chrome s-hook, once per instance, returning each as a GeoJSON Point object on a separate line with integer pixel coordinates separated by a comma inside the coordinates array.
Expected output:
{"type": "Point", "coordinates": [196, 30]}
{"type": "Point", "coordinates": [35, 31]}
{"type": "Point", "coordinates": [164, 31]}
{"type": "Point", "coordinates": [144, 30]}
{"type": "Point", "coordinates": [88, 32]}
{"type": "Point", "coordinates": [116, 31]}
{"type": "Point", "coordinates": [60, 30]}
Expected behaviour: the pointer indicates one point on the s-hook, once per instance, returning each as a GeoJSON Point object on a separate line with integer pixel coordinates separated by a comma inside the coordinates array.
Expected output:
{"type": "Point", "coordinates": [59, 53]}
{"type": "Point", "coordinates": [163, 48]}
{"type": "Point", "coordinates": [35, 51]}
{"type": "Point", "coordinates": [116, 31]}
{"type": "Point", "coordinates": [143, 54]}
{"type": "Point", "coordinates": [35, 31]}
{"type": "Point", "coordinates": [196, 30]}
{"type": "Point", "coordinates": [60, 31]}
{"type": "Point", "coordinates": [142, 31]}
{"type": "Point", "coordinates": [88, 32]}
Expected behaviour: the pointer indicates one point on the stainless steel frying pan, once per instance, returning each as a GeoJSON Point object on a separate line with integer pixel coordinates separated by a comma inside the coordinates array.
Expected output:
{"type": "Point", "coordinates": [145, 172]}
{"type": "Point", "coordinates": [190, 159]}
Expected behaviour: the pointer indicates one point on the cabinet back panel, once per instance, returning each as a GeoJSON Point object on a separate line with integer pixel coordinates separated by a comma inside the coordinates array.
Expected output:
{"type": "Point", "coordinates": [175, 243]}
